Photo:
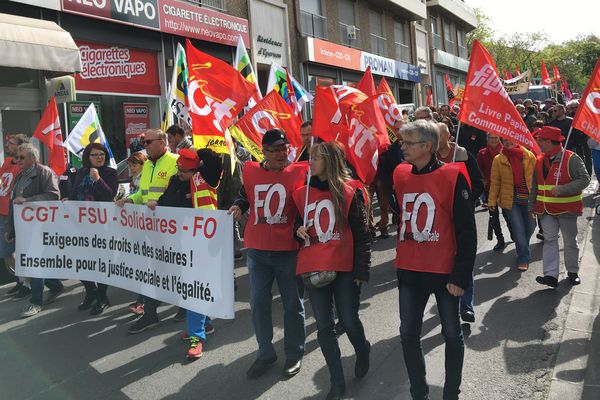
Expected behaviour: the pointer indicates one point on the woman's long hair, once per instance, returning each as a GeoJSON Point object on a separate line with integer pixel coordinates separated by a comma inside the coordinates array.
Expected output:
{"type": "Point", "coordinates": [333, 156]}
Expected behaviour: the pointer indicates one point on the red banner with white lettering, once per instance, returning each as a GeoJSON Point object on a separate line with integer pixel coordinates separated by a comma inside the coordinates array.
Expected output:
{"type": "Point", "coordinates": [216, 94]}
{"type": "Point", "coordinates": [587, 118]}
{"type": "Point", "coordinates": [388, 107]}
{"type": "Point", "coordinates": [486, 104]}
{"type": "Point", "coordinates": [137, 119]}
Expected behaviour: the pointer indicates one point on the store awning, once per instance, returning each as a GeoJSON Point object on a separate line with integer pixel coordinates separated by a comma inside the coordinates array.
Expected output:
{"type": "Point", "coordinates": [37, 44]}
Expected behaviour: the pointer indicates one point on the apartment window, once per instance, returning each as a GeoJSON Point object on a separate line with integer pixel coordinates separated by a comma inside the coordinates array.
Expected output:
{"type": "Point", "coordinates": [378, 42]}
{"type": "Point", "coordinates": [218, 5]}
{"type": "Point", "coordinates": [312, 22]}
{"type": "Point", "coordinates": [349, 33]}
{"type": "Point", "coordinates": [435, 32]}
{"type": "Point", "coordinates": [402, 41]}
{"type": "Point", "coordinates": [448, 37]}
{"type": "Point", "coordinates": [460, 41]}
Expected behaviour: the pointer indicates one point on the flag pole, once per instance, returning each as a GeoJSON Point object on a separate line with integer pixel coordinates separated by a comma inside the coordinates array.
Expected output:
{"type": "Point", "coordinates": [312, 139]}
{"type": "Point", "coordinates": [562, 157]}
{"type": "Point", "coordinates": [456, 141]}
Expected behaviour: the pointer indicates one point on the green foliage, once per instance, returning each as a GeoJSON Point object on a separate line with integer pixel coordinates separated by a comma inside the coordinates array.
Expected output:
{"type": "Point", "coordinates": [575, 59]}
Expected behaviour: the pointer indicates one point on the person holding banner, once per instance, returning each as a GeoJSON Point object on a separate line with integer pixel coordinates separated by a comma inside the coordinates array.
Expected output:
{"type": "Point", "coordinates": [436, 198]}
{"type": "Point", "coordinates": [510, 184]}
{"type": "Point", "coordinates": [272, 250]}
{"type": "Point", "coordinates": [345, 248]}
{"type": "Point", "coordinates": [556, 196]}
{"type": "Point", "coordinates": [35, 182]}
{"type": "Point", "coordinates": [94, 181]}
{"type": "Point", "coordinates": [10, 169]}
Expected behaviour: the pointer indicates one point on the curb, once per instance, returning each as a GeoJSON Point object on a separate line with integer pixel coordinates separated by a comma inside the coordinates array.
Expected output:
{"type": "Point", "coordinates": [568, 377]}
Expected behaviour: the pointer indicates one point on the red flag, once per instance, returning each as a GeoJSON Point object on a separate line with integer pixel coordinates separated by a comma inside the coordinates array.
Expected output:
{"type": "Point", "coordinates": [510, 75]}
{"type": "Point", "coordinates": [271, 112]}
{"type": "Point", "coordinates": [216, 93]}
{"type": "Point", "coordinates": [48, 132]}
{"type": "Point", "coordinates": [504, 75]}
{"type": "Point", "coordinates": [449, 90]}
{"type": "Point", "coordinates": [332, 104]}
{"type": "Point", "coordinates": [566, 91]}
{"type": "Point", "coordinates": [366, 83]}
{"type": "Point", "coordinates": [557, 76]}
{"type": "Point", "coordinates": [545, 75]}
{"type": "Point", "coordinates": [587, 117]}
{"type": "Point", "coordinates": [486, 104]}
{"type": "Point", "coordinates": [388, 107]}
{"type": "Point", "coordinates": [429, 99]}
{"type": "Point", "coordinates": [518, 71]}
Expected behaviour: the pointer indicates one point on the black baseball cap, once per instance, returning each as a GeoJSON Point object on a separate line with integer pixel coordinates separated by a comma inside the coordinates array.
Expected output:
{"type": "Point", "coordinates": [274, 137]}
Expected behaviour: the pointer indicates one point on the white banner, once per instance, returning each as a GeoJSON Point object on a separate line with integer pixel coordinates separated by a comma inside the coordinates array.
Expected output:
{"type": "Point", "coordinates": [519, 84]}
{"type": "Point", "coordinates": [181, 256]}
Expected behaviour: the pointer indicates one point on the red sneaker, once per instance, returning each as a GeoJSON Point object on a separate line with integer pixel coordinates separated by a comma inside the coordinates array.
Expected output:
{"type": "Point", "coordinates": [136, 308]}
{"type": "Point", "coordinates": [195, 350]}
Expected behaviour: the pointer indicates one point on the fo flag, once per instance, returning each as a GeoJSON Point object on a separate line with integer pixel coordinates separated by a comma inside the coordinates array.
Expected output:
{"type": "Point", "coordinates": [486, 104]}
{"type": "Point", "coordinates": [587, 118]}
{"type": "Point", "coordinates": [449, 90]}
{"type": "Point", "coordinates": [48, 132]}
{"type": "Point", "coordinates": [216, 95]}
{"type": "Point", "coordinates": [271, 112]}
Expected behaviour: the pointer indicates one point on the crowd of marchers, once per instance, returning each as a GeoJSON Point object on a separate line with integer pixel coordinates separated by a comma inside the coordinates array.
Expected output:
{"type": "Point", "coordinates": [314, 236]}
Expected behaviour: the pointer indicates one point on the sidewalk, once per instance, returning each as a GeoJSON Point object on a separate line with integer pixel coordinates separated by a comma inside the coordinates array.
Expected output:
{"type": "Point", "coordinates": [577, 368]}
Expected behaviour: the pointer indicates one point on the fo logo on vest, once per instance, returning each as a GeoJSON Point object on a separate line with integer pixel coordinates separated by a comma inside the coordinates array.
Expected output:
{"type": "Point", "coordinates": [418, 200]}
{"type": "Point", "coordinates": [317, 208]}
{"type": "Point", "coordinates": [262, 207]}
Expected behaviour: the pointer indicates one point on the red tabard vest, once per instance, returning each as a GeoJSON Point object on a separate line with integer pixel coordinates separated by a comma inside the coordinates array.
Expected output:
{"type": "Point", "coordinates": [426, 239]}
{"type": "Point", "coordinates": [8, 172]}
{"type": "Point", "coordinates": [546, 202]}
{"type": "Point", "coordinates": [272, 211]}
{"type": "Point", "coordinates": [328, 249]}
{"type": "Point", "coordinates": [203, 195]}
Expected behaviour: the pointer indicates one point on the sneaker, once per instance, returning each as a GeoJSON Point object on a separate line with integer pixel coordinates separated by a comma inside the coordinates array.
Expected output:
{"type": "Point", "coordinates": [238, 256]}
{"type": "Point", "coordinates": [144, 323]}
{"type": "Point", "coordinates": [501, 245]}
{"type": "Point", "coordinates": [195, 350]}
{"type": "Point", "coordinates": [23, 293]}
{"type": "Point", "coordinates": [136, 308]}
{"type": "Point", "coordinates": [30, 310]}
{"type": "Point", "coordinates": [180, 316]}
{"type": "Point", "coordinates": [209, 329]}
{"type": "Point", "coordinates": [52, 295]}
{"type": "Point", "coordinates": [15, 289]}
{"type": "Point", "coordinates": [100, 306]}
{"type": "Point", "coordinates": [540, 236]}
{"type": "Point", "coordinates": [573, 278]}
{"type": "Point", "coordinates": [547, 280]}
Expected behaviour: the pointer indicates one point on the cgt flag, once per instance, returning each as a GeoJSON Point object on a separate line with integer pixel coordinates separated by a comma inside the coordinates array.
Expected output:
{"type": "Point", "coordinates": [486, 104]}
{"type": "Point", "coordinates": [449, 90]}
{"type": "Point", "coordinates": [545, 75]}
{"type": "Point", "coordinates": [48, 132]}
{"type": "Point", "coordinates": [388, 107]}
{"type": "Point", "coordinates": [557, 76]}
{"type": "Point", "coordinates": [271, 112]}
{"type": "Point", "coordinates": [366, 83]}
{"type": "Point", "coordinates": [216, 95]}
{"type": "Point", "coordinates": [587, 118]}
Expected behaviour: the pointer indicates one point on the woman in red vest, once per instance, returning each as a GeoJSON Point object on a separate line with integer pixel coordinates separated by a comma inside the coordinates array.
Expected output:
{"type": "Point", "coordinates": [335, 237]}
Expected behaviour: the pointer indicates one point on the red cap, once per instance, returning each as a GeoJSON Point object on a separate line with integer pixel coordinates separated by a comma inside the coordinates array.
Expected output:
{"type": "Point", "coordinates": [550, 133]}
{"type": "Point", "coordinates": [188, 159]}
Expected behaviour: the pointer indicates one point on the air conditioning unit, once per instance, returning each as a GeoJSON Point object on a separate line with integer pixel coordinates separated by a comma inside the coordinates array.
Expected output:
{"type": "Point", "coordinates": [351, 30]}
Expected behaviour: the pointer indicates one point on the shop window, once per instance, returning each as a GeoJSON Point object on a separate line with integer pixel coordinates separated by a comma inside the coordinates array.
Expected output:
{"type": "Point", "coordinates": [19, 77]}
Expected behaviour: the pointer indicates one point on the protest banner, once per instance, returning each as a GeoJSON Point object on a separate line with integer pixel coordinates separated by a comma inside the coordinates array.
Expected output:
{"type": "Point", "coordinates": [180, 256]}
{"type": "Point", "coordinates": [519, 84]}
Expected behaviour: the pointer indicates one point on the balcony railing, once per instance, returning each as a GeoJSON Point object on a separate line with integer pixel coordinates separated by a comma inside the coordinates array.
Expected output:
{"type": "Point", "coordinates": [437, 41]}
{"type": "Point", "coordinates": [378, 45]}
{"type": "Point", "coordinates": [313, 25]}
{"type": "Point", "coordinates": [218, 5]}
{"type": "Point", "coordinates": [462, 51]}
{"type": "Point", "coordinates": [346, 37]}
{"type": "Point", "coordinates": [403, 53]}
{"type": "Point", "coordinates": [449, 46]}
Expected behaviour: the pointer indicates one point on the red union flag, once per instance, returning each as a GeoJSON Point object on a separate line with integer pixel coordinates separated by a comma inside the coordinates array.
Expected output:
{"type": "Point", "coordinates": [332, 104]}
{"type": "Point", "coordinates": [587, 118]}
{"type": "Point", "coordinates": [48, 132]}
{"type": "Point", "coordinates": [388, 107]}
{"type": "Point", "coordinates": [271, 112]}
{"type": "Point", "coordinates": [486, 104]}
{"type": "Point", "coordinates": [545, 75]}
{"type": "Point", "coordinates": [216, 95]}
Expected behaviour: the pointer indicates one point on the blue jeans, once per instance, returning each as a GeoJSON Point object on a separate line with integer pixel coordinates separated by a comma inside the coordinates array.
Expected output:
{"type": "Point", "coordinates": [264, 267]}
{"type": "Point", "coordinates": [37, 288]}
{"type": "Point", "coordinates": [347, 299]}
{"type": "Point", "coordinates": [196, 324]}
{"type": "Point", "coordinates": [596, 161]}
{"type": "Point", "coordinates": [413, 299]}
{"type": "Point", "coordinates": [523, 226]}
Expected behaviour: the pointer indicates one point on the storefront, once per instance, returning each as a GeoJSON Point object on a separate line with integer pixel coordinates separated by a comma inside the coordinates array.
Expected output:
{"type": "Point", "coordinates": [447, 64]}
{"type": "Point", "coordinates": [329, 63]}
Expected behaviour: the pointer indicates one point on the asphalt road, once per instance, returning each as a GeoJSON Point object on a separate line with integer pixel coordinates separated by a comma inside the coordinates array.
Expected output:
{"type": "Point", "coordinates": [510, 349]}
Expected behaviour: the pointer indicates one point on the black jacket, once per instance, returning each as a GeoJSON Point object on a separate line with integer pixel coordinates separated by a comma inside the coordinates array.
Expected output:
{"type": "Point", "coordinates": [466, 239]}
{"type": "Point", "coordinates": [104, 189]}
{"type": "Point", "coordinates": [357, 219]}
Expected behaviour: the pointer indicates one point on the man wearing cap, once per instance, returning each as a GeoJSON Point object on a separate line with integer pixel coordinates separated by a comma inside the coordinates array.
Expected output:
{"type": "Point", "coordinates": [559, 179]}
{"type": "Point", "coordinates": [157, 171]}
{"type": "Point", "coordinates": [272, 250]}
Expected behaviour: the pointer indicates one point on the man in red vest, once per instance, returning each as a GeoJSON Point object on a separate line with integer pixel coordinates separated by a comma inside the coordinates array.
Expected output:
{"type": "Point", "coordinates": [559, 179]}
{"type": "Point", "coordinates": [436, 217]}
{"type": "Point", "coordinates": [272, 250]}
